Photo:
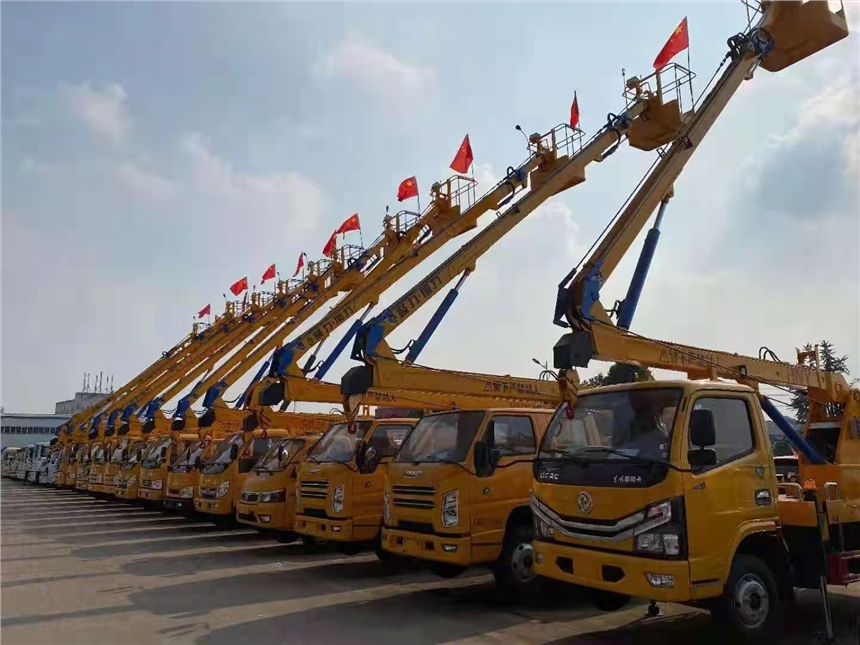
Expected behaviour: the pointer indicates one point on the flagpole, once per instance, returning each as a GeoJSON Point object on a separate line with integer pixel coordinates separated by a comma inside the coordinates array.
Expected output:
{"type": "Point", "coordinates": [690, 68]}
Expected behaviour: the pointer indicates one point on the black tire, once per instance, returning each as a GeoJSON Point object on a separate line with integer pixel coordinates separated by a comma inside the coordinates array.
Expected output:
{"type": "Point", "coordinates": [349, 548]}
{"type": "Point", "coordinates": [514, 568]}
{"type": "Point", "coordinates": [285, 537]}
{"type": "Point", "coordinates": [310, 540]}
{"type": "Point", "coordinates": [751, 606]}
{"type": "Point", "coordinates": [608, 600]}
{"type": "Point", "coordinates": [391, 562]}
{"type": "Point", "coordinates": [446, 570]}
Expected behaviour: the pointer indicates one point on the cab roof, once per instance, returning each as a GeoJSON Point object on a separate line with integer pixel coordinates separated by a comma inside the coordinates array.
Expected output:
{"type": "Point", "coordinates": [500, 409]}
{"type": "Point", "coordinates": [685, 384]}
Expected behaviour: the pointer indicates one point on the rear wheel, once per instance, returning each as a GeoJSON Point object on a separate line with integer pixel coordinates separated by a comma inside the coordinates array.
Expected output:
{"type": "Point", "coordinates": [514, 569]}
{"type": "Point", "coordinates": [751, 605]}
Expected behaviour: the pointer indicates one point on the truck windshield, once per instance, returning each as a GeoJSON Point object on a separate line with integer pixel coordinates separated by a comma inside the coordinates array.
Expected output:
{"type": "Point", "coordinates": [153, 458]}
{"type": "Point", "coordinates": [635, 422]}
{"type": "Point", "coordinates": [279, 455]}
{"type": "Point", "coordinates": [441, 437]}
{"type": "Point", "coordinates": [134, 455]}
{"type": "Point", "coordinates": [119, 452]}
{"type": "Point", "coordinates": [99, 456]}
{"type": "Point", "coordinates": [338, 444]}
{"type": "Point", "coordinates": [221, 458]}
{"type": "Point", "coordinates": [188, 459]}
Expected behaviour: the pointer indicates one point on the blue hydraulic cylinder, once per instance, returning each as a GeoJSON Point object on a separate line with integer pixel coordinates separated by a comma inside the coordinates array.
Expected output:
{"type": "Point", "coordinates": [338, 350]}
{"type": "Point", "coordinates": [797, 439]}
{"type": "Point", "coordinates": [260, 372]}
{"type": "Point", "coordinates": [437, 317]}
{"type": "Point", "coordinates": [634, 291]}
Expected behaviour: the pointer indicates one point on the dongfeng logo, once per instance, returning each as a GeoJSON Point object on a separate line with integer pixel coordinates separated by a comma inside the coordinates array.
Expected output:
{"type": "Point", "coordinates": [548, 475]}
{"type": "Point", "coordinates": [412, 474]}
{"type": "Point", "coordinates": [584, 503]}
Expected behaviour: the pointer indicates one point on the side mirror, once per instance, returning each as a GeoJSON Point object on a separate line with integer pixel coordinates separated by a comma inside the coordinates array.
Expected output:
{"type": "Point", "coordinates": [163, 453]}
{"type": "Point", "coordinates": [495, 455]}
{"type": "Point", "coordinates": [234, 452]}
{"type": "Point", "coordinates": [703, 432]}
{"type": "Point", "coordinates": [197, 461]}
{"type": "Point", "coordinates": [483, 459]}
{"type": "Point", "coordinates": [369, 459]}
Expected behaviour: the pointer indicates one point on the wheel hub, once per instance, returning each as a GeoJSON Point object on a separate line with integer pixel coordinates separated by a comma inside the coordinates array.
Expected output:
{"type": "Point", "coordinates": [751, 600]}
{"type": "Point", "coordinates": [522, 562]}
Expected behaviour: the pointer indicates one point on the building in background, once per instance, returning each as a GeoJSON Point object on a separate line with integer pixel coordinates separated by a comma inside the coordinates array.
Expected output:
{"type": "Point", "coordinates": [81, 402]}
{"type": "Point", "coordinates": [21, 429]}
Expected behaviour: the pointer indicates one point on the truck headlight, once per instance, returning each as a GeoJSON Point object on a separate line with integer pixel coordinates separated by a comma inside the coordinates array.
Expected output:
{"type": "Point", "coordinates": [130, 480]}
{"type": "Point", "coordinates": [337, 499]}
{"type": "Point", "coordinates": [156, 484]}
{"type": "Point", "coordinates": [543, 529]}
{"type": "Point", "coordinates": [223, 487]}
{"type": "Point", "coordinates": [662, 531]}
{"type": "Point", "coordinates": [451, 509]}
{"type": "Point", "coordinates": [187, 492]}
{"type": "Point", "coordinates": [271, 496]}
{"type": "Point", "coordinates": [386, 506]}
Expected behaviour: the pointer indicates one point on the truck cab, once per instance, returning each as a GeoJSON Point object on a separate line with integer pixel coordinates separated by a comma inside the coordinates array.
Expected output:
{"type": "Point", "coordinates": [8, 461]}
{"type": "Point", "coordinates": [183, 475]}
{"type": "Point", "coordinates": [457, 493]}
{"type": "Point", "coordinates": [268, 498]}
{"type": "Point", "coordinates": [128, 478]}
{"type": "Point", "coordinates": [679, 501]}
{"type": "Point", "coordinates": [340, 483]}
{"type": "Point", "coordinates": [223, 474]}
{"type": "Point", "coordinates": [37, 456]}
{"type": "Point", "coordinates": [100, 457]}
{"type": "Point", "coordinates": [153, 469]}
{"type": "Point", "coordinates": [85, 454]}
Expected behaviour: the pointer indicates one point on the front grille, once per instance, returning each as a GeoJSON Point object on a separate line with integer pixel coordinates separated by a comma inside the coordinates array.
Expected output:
{"type": "Point", "coordinates": [416, 527]}
{"type": "Point", "coordinates": [173, 491]}
{"type": "Point", "coordinates": [109, 479]}
{"type": "Point", "coordinates": [414, 490]}
{"type": "Point", "coordinates": [314, 489]}
{"type": "Point", "coordinates": [146, 483]}
{"type": "Point", "coordinates": [208, 493]}
{"type": "Point", "coordinates": [316, 512]}
{"type": "Point", "coordinates": [250, 496]}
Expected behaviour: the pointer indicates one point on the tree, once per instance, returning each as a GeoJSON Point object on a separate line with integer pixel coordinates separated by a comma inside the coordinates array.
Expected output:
{"type": "Point", "coordinates": [620, 373]}
{"type": "Point", "coordinates": [830, 362]}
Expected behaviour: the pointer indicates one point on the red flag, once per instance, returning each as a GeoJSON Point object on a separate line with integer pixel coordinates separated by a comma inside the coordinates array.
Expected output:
{"type": "Point", "coordinates": [239, 286]}
{"type": "Point", "coordinates": [678, 42]}
{"type": "Point", "coordinates": [330, 246]}
{"type": "Point", "coordinates": [408, 188]}
{"type": "Point", "coordinates": [269, 274]}
{"type": "Point", "coordinates": [350, 224]}
{"type": "Point", "coordinates": [464, 157]}
{"type": "Point", "coordinates": [574, 112]}
{"type": "Point", "coordinates": [300, 263]}
{"type": "Point", "coordinates": [205, 311]}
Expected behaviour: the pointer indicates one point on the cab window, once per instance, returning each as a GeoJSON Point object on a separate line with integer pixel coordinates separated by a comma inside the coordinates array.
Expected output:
{"type": "Point", "coordinates": [732, 427]}
{"type": "Point", "coordinates": [258, 447]}
{"type": "Point", "coordinates": [511, 435]}
{"type": "Point", "coordinates": [386, 439]}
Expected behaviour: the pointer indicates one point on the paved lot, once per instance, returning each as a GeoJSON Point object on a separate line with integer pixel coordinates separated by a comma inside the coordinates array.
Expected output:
{"type": "Point", "coordinates": [80, 570]}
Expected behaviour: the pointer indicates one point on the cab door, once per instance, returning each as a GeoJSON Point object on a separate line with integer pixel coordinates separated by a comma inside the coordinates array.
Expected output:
{"type": "Point", "coordinates": [386, 439]}
{"type": "Point", "coordinates": [737, 487]}
{"type": "Point", "coordinates": [494, 496]}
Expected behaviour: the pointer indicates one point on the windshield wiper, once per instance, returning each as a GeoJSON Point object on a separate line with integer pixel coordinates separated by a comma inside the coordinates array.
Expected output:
{"type": "Point", "coordinates": [650, 461]}
{"type": "Point", "coordinates": [439, 460]}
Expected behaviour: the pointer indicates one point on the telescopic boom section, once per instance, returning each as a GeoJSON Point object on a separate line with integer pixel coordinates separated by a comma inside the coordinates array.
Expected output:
{"type": "Point", "coordinates": [265, 312]}
{"type": "Point", "coordinates": [193, 343]}
{"type": "Point", "coordinates": [785, 33]}
{"type": "Point", "coordinates": [440, 225]}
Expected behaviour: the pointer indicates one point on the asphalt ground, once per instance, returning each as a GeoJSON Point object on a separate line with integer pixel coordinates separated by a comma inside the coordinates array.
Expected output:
{"type": "Point", "coordinates": [75, 569]}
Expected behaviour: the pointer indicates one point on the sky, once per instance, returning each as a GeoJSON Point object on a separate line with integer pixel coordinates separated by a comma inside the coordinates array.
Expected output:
{"type": "Point", "coordinates": [154, 153]}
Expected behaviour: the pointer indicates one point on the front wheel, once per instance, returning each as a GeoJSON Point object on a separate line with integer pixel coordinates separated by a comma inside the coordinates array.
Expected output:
{"type": "Point", "coordinates": [514, 569]}
{"type": "Point", "coordinates": [751, 605]}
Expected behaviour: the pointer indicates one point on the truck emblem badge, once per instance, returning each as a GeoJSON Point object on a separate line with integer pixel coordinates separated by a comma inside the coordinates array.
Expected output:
{"type": "Point", "coordinates": [759, 471]}
{"type": "Point", "coordinates": [584, 503]}
{"type": "Point", "coordinates": [412, 474]}
{"type": "Point", "coordinates": [314, 471]}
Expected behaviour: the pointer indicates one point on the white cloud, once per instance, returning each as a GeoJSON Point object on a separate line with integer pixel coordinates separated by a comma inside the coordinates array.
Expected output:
{"type": "Point", "coordinates": [289, 195]}
{"type": "Point", "coordinates": [103, 110]}
{"type": "Point", "coordinates": [146, 184]}
{"type": "Point", "coordinates": [367, 64]}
